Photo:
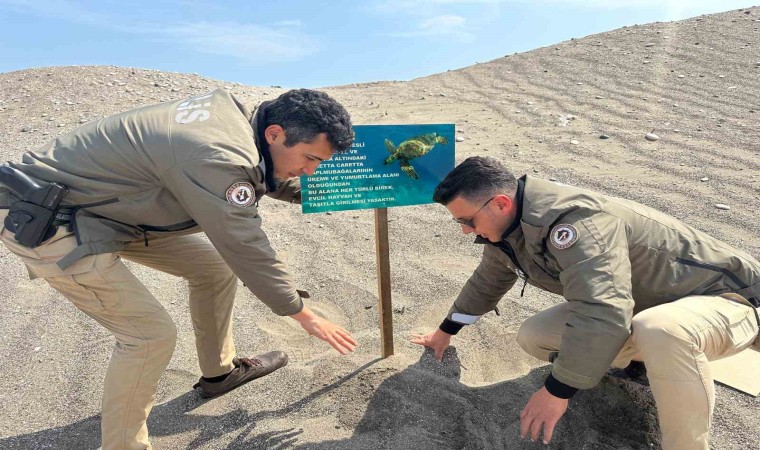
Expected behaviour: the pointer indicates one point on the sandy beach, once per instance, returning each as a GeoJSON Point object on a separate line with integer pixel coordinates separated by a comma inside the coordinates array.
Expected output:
{"type": "Point", "coordinates": [694, 83]}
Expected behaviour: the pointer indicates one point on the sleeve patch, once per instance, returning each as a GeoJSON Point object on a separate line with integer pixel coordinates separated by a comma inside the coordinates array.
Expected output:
{"type": "Point", "coordinates": [241, 194]}
{"type": "Point", "coordinates": [563, 236]}
{"type": "Point", "coordinates": [464, 318]}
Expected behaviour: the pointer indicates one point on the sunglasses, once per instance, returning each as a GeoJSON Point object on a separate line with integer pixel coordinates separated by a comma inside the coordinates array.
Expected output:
{"type": "Point", "coordinates": [471, 221]}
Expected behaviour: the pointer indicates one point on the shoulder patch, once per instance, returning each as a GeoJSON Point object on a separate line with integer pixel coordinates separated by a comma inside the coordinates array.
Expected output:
{"type": "Point", "coordinates": [564, 236]}
{"type": "Point", "coordinates": [241, 194]}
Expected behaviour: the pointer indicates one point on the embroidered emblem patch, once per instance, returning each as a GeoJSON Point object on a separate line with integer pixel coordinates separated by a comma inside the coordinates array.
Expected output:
{"type": "Point", "coordinates": [241, 194]}
{"type": "Point", "coordinates": [564, 235]}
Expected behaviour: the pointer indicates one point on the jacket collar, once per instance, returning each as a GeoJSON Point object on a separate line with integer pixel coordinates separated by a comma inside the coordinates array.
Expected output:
{"type": "Point", "coordinates": [518, 214]}
{"type": "Point", "coordinates": [258, 123]}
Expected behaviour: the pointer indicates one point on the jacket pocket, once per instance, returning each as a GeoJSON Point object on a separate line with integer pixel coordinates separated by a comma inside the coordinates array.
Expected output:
{"type": "Point", "coordinates": [742, 330]}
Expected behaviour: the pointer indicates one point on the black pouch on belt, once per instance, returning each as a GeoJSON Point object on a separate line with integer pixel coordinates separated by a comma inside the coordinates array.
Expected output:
{"type": "Point", "coordinates": [32, 223]}
{"type": "Point", "coordinates": [31, 218]}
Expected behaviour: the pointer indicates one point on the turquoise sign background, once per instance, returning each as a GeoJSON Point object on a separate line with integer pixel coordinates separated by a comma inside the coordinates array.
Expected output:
{"type": "Point", "coordinates": [369, 175]}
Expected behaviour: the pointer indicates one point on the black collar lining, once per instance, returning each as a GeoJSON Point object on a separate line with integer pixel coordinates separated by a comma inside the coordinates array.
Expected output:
{"type": "Point", "coordinates": [259, 118]}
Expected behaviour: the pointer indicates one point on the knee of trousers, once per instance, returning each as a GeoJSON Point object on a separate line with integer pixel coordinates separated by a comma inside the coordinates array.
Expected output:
{"type": "Point", "coordinates": [169, 334]}
{"type": "Point", "coordinates": [158, 348]}
{"type": "Point", "coordinates": [652, 334]}
{"type": "Point", "coordinates": [529, 335]}
{"type": "Point", "coordinates": [163, 344]}
{"type": "Point", "coordinates": [214, 274]}
{"type": "Point", "coordinates": [160, 333]}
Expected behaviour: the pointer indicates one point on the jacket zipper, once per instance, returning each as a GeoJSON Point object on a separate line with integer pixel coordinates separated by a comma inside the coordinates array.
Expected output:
{"type": "Point", "coordinates": [174, 227]}
{"type": "Point", "coordinates": [186, 225]}
{"type": "Point", "coordinates": [732, 276]}
{"type": "Point", "coordinates": [506, 248]}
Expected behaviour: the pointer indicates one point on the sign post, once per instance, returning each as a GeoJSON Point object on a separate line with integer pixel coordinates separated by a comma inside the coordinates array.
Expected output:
{"type": "Point", "coordinates": [384, 304]}
{"type": "Point", "coordinates": [386, 166]}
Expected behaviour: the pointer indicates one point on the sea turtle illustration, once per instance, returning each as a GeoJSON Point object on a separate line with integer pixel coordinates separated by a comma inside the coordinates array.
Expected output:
{"type": "Point", "coordinates": [412, 148]}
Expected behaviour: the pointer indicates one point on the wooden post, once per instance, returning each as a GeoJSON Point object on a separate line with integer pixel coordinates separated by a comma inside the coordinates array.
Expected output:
{"type": "Point", "coordinates": [382, 257]}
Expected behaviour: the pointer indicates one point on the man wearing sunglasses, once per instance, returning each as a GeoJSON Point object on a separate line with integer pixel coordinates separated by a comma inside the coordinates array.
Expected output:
{"type": "Point", "coordinates": [640, 286]}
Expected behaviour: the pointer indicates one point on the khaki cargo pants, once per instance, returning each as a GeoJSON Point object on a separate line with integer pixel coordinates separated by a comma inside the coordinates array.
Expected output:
{"type": "Point", "coordinates": [675, 341]}
{"type": "Point", "coordinates": [102, 287]}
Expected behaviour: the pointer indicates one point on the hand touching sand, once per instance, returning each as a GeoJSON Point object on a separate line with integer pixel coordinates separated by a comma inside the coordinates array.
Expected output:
{"type": "Point", "coordinates": [437, 340]}
{"type": "Point", "coordinates": [333, 334]}
{"type": "Point", "coordinates": [541, 413]}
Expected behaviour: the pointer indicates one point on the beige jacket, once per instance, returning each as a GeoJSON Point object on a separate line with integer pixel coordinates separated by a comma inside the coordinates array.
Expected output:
{"type": "Point", "coordinates": [610, 258]}
{"type": "Point", "coordinates": [179, 167]}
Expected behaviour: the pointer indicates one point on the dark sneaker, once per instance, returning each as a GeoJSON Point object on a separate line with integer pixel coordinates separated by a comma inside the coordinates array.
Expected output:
{"type": "Point", "coordinates": [636, 372]}
{"type": "Point", "coordinates": [246, 369]}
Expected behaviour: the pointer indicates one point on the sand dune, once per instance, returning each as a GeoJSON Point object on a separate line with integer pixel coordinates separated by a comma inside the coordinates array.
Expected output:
{"type": "Point", "coordinates": [696, 86]}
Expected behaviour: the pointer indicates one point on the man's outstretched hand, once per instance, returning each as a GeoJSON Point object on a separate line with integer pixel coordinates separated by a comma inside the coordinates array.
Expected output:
{"type": "Point", "coordinates": [437, 340]}
{"type": "Point", "coordinates": [333, 334]}
{"type": "Point", "coordinates": [542, 411]}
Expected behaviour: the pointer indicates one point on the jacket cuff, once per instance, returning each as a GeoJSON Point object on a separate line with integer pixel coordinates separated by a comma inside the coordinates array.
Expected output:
{"type": "Point", "coordinates": [558, 388]}
{"type": "Point", "coordinates": [450, 327]}
{"type": "Point", "coordinates": [294, 307]}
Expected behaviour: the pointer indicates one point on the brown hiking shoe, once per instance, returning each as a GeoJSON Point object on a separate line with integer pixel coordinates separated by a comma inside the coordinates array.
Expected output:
{"type": "Point", "coordinates": [246, 369]}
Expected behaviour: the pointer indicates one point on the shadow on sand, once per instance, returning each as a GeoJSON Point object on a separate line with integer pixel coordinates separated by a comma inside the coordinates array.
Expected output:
{"type": "Point", "coordinates": [421, 407]}
{"type": "Point", "coordinates": [426, 407]}
{"type": "Point", "coordinates": [171, 418]}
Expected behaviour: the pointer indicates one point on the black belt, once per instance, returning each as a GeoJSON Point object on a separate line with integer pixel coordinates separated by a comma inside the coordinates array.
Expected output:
{"type": "Point", "coordinates": [63, 216]}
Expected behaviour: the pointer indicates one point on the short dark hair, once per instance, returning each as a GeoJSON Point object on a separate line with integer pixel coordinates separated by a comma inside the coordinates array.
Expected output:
{"type": "Point", "coordinates": [305, 113]}
{"type": "Point", "coordinates": [477, 178]}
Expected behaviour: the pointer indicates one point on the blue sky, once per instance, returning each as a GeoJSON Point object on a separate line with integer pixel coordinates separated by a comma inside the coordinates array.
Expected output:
{"type": "Point", "coordinates": [299, 43]}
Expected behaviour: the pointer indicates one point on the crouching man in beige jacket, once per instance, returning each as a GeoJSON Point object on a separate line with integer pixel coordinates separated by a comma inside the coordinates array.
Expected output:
{"type": "Point", "coordinates": [639, 284]}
